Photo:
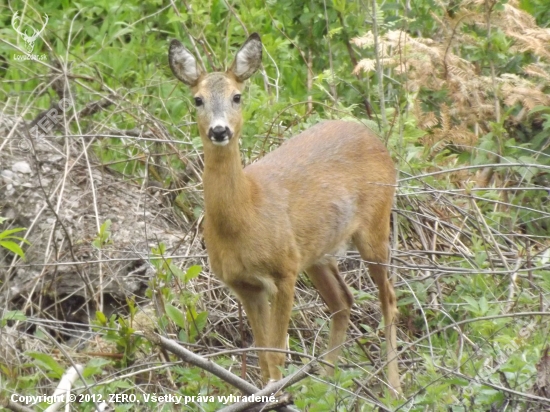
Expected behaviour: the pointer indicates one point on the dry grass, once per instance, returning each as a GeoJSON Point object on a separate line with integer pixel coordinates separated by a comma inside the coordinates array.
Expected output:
{"type": "Point", "coordinates": [443, 234]}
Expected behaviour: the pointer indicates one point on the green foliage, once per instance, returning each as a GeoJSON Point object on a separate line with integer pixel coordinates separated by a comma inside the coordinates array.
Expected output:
{"type": "Point", "coordinates": [452, 350]}
{"type": "Point", "coordinates": [119, 331]}
{"type": "Point", "coordinates": [47, 363]}
{"type": "Point", "coordinates": [312, 394]}
{"type": "Point", "coordinates": [539, 9]}
{"type": "Point", "coordinates": [13, 315]}
{"type": "Point", "coordinates": [185, 313]}
{"type": "Point", "coordinates": [7, 240]}
{"type": "Point", "coordinates": [104, 235]}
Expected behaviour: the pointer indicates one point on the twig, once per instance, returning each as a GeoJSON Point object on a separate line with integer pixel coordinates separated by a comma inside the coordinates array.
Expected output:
{"type": "Point", "coordinates": [273, 388]}
{"type": "Point", "coordinates": [456, 169]}
{"type": "Point", "coordinates": [330, 62]}
{"type": "Point", "coordinates": [77, 369]}
{"type": "Point", "coordinates": [94, 107]}
{"type": "Point", "coordinates": [283, 400]}
{"type": "Point", "coordinates": [241, 329]}
{"type": "Point", "coordinates": [16, 407]}
{"type": "Point", "coordinates": [227, 376]}
{"type": "Point", "coordinates": [59, 221]}
{"type": "Point", "coordinates": [63, 389]}
{"type": "Point", "coordinates": [202, 363]}
{"type": "Point", "coordinates": [191, 39]}
{"type": "Point", "coordinates": [379, 68]}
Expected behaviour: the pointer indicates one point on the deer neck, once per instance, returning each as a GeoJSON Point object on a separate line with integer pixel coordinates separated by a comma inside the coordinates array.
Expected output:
{"type": "Point", "coordinates": [227, 190]}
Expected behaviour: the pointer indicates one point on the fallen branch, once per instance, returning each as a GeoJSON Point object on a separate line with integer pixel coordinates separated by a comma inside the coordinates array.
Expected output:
{"type": "Point", "coordinates": [12, 406]}
{"type": "Point", "coordinates": [273, 388]}
{"type": "Point", "coordinates": [232, 379]}
{"type": "Point", "coordinates": [284, 400]}
{"type": "Point", "coordinates": [64, 387]}
{"type": "Point", "coordinates": [202, 363]}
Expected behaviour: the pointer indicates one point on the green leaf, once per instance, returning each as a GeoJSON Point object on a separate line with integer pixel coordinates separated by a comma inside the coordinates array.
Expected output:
{"type": "Point", "coordinates": [7, 233]}
{"type": "Point", "coordinates": [175, 314]}
{"type": "Point", "coordinates": [45, 361]}
{"type": "Point", "coordinates": [13, 247]}
{"type": "Point", "coordinates": [160, 250]}
{"type": "Point", "coordinates": [177, 271]}
{"type": "Point", "coordinates": [12, 315]}
{"type": "Point", "coordinates": [200, 320]}
{"type": "Point", "coordinates": [197, 322]}
{"type": "Point", "coordinates": [105, 227]}
{"type": "Point", "coordinates": [123, 384]}
{"type": "Point", "coordinates": [473, 305]}
{"type": "Point", "coordinates": [103, 235]}
{"type": "Point", "coordinates": [536, 109]}
{"type": "Point", "coordinates": [101, 318]}
{"type": "Point", "coordinates": [122, 32]}
{"type": "Point", "coordinates": [192, 272]}
{"type": "Point", "coordinates": [483, 305]}
{"type": "Point", "coordinates": [96, 366]}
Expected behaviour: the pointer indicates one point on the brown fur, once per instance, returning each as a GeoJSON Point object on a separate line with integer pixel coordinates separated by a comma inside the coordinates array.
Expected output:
{"type": "Point", "coordinates": [284, 214]}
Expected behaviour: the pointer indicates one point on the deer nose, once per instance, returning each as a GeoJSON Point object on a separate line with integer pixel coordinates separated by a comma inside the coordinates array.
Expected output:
{"type": "Point", "coordinates": [219, 133]}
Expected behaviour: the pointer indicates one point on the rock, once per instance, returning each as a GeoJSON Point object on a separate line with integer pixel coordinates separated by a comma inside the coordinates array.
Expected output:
{"type": "Point", "coordinates": [7, 176]}
{"type": "Point", "coordinates": [21, 167]}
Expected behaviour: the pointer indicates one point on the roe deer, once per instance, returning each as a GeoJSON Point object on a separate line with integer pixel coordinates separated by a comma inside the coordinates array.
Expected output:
{"type": "Point", "coordinates": [290, 211]}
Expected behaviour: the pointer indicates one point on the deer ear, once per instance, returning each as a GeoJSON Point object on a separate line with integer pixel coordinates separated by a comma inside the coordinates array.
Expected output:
{"type": "Point", "coordinates": [248, 59]}
{"type": "Point", "coordinates": [183, 64]}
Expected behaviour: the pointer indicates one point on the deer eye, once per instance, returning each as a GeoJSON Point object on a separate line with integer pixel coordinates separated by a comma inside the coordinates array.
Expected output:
{"type": "Point", "coordinates": [237, 98]}
{"type": "Point", "coordinates": [198, 101]}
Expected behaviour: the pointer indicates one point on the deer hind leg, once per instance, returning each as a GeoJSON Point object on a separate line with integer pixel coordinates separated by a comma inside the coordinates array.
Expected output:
{"type": "Point", "coordinates": [374, 247]}
{"type": "Point", "coordinates": [254, 298]}
{"type": "Point", "coordinates": [337, 296]}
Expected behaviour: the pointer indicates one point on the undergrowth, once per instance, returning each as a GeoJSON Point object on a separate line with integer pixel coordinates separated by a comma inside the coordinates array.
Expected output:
{"type": "Point", "coordinates": [459, 93]}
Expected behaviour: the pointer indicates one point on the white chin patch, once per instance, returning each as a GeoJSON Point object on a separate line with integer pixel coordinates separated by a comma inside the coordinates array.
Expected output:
{"type": "Point", "coordinates": [218, 143]}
